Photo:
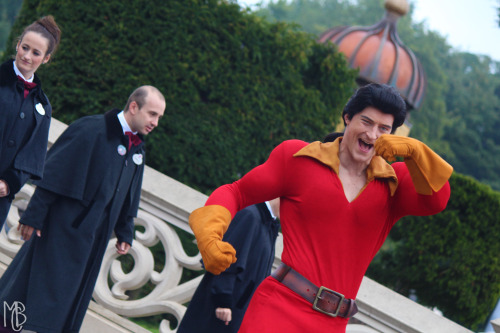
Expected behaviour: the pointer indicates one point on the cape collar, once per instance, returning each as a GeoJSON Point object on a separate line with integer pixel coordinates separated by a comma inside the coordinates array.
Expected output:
{"type": "Point", "coordinates": [8, 76]}
{"type": "Point", "coordinates": [328, 154]}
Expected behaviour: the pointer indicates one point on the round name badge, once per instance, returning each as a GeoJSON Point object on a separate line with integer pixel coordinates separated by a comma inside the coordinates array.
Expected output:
{"type": "Point", "coordinates": [137, 158]}
{"type": "Point", "coordinates": [39, 108]}
{"type": "Point", "coordinates": [122, 150]}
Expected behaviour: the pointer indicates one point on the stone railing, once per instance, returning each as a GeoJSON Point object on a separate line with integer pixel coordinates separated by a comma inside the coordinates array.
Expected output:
{"type": "Point", "coordinates": [164, 210]}
{"type": "Point", "coordinates": [157, 216]}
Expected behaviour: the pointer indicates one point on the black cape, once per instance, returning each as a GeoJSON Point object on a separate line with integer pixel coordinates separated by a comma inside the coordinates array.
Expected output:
{"type": "Point", "coordinates": [24, 132]}
{"type": "Point", "coordinates": [91, 187]}
{"type": "Point", "coordinates": [253, 234]}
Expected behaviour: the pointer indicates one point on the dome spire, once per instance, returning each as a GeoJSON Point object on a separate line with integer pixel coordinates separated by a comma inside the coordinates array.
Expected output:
{"type": "Point", "coordinates": [380, 54]}
{"type": "Point", "coordinates": [400, 7]}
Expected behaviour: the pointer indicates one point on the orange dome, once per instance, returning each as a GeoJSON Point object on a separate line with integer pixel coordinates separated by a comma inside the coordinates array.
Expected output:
{"type": "Point", "coordinates": [381, 56]}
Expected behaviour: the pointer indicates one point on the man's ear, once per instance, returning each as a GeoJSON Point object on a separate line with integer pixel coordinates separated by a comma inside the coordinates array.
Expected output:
{"type": "Point", "coordinates": [133, 107]}
{"type": "Point", "coordinates": [346, 119]}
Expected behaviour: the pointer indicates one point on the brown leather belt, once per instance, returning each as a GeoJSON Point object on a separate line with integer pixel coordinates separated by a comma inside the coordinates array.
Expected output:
{"type": "Point", "coordinates": [323, 299]}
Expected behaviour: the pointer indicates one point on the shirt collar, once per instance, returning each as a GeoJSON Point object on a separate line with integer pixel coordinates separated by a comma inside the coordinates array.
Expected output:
{"type": "Point", "coordinates": [268, 205]}
{"type": "Point", "coordinates": [18, 72]}
{"type": "Point", "coordinates": [328, 154]}
{"type": "Point", "coordinates": [123, 122]}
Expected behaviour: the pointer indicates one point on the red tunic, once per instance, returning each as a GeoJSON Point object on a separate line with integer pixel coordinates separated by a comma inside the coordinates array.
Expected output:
{"type": "Point", "coordinates": [327, 239]}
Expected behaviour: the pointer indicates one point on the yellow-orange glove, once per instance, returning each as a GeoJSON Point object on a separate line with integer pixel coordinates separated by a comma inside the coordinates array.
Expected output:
{"type": "Point", "coordinates": [428, 171]}
{"type": "Point", "coordinates": [209, 224]}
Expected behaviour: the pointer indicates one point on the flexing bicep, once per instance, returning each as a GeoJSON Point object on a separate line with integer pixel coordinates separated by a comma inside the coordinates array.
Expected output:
{"type": "Point", "coordinates": [265, 182]}
{"type": "Point", "coordinates": [408, 202]}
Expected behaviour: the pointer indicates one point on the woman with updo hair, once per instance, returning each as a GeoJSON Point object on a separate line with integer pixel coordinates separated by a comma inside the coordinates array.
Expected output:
{"type": "Point", "coordinates": [25, 110]}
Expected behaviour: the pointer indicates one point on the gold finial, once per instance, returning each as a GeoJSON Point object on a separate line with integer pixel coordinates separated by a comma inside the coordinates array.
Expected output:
{"type": "Point", "coordinates": [400, 7]}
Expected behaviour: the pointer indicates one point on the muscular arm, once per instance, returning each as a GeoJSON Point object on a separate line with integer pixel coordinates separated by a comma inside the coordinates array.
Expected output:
{"type": "Point", "coordinates": [423, 187]}
{"type": "Point", "coordinates": [428, 171]}
{"type": "Point", "coordinates": [209, 223]}
{"type": "Point", "coordinates": [407, 201]}
{"type": "Point", "coordinates": [265, 182]}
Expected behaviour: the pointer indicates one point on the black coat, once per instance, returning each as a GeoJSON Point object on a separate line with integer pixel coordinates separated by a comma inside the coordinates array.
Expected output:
{"type": "Point", "coordinates": [253, 234]}
{"type": "Point", "coordinates": [24, 131]}
{"type": "Point", "coordinates": [88, 191]}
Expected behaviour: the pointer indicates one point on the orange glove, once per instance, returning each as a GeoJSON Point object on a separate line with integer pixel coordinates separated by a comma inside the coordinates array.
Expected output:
{"type": "Point", "coordinates": [428, 171]}
{"type": "Point", "coordinates": [209, 224]}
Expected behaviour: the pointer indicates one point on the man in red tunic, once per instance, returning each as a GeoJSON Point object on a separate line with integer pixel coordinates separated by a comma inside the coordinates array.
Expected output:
{"type": "Point", "coordinates": [339, 200]}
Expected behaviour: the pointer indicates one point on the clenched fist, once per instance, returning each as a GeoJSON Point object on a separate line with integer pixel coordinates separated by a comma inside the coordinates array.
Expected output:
{"type": "Point", "coordinates": [428, 171]}
{"type": "Point", "coordinates": [209, 224]}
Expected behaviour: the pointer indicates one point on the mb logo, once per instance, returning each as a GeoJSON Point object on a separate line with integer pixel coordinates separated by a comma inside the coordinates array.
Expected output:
{"type": "Point", "coordinates": [17, 316]}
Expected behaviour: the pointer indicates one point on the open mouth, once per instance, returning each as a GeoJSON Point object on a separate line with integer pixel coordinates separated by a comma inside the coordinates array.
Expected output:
{"type": "Point", "coordinates": [364, 146]}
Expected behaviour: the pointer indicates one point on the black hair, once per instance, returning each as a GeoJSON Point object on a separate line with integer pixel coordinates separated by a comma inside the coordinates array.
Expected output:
{"type": "Point", "coordinates": [380, 96]}
{"type": "Point", "coordinates": [332, 136]}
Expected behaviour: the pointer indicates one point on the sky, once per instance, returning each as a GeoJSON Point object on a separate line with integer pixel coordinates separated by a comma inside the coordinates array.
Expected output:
{"type": "Point", "coordinates": [468, 25]}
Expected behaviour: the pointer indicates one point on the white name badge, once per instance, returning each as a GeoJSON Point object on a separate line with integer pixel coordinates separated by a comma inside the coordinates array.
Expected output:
{"type": "Point", "coordinates": [137, 158]}
{"type": "Point", "coordinates": [39, 108]}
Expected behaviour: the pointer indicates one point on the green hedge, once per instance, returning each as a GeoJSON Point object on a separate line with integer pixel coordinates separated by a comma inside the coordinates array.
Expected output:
{"type": "Point", "coordinates": [235, 85]}
{"type": "Point", "coordinates": [450, 260]}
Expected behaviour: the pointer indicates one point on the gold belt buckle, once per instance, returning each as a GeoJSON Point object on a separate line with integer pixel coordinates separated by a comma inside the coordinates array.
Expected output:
{"type": "Point", "coordinates": [318, 297]}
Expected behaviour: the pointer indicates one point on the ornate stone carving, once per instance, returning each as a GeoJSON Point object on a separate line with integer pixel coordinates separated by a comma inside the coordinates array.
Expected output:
{"type": "Point", "coordinates": [168, 295]}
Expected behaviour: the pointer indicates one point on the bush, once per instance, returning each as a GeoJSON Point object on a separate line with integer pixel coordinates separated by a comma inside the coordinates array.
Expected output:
{"type": "Point", "coordinates": [235, 85]}
{"type": "Point", "coordinates": [449, 260]}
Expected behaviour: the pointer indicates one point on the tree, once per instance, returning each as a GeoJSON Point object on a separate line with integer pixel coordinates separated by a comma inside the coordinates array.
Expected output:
{"type": "Point", "coordinates": [462, 95]}
{"type": "Point", "coordinates": [8, 14]}
{"type": "Point", "coordinates": [473, 106]}
{"type": "Point", "coordinates": [449, 260]}
{"type": "Point", "coordinates": [316, 16]}
{"type": "Point", "coordinates": [235, 84]}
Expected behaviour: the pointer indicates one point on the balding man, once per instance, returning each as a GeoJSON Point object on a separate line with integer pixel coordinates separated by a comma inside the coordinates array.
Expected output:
{"type": "Point", "coordinates": [90, 188]}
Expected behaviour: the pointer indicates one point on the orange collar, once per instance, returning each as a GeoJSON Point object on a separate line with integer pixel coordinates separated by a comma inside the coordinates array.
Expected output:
{"type": "Point", "coordinates": [328, 154]}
